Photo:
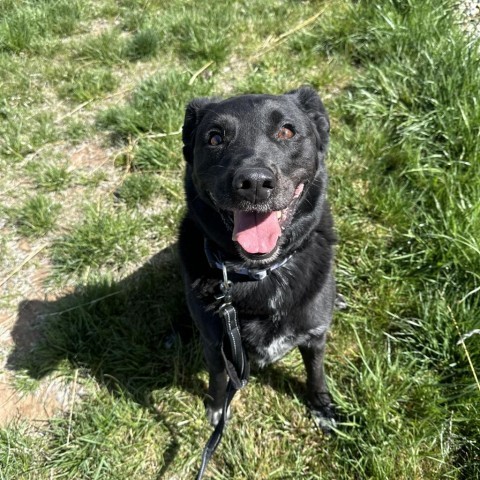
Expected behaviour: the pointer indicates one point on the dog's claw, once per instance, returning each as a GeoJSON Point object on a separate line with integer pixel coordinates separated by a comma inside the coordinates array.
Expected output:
{"type": "Point", "coordinates": [340, 302]}
{"type": "Point", "coordinates": [170, 340]}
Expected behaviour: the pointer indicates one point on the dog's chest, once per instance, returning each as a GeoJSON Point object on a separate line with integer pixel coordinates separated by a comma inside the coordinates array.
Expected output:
{"type": "Point", "coordinates": [268, 351]}
{"type": "Point", "coordinates": [265, 354]}
{"type": "Point", "coordinates": [269, 338]}
{"type": "Point", "coordinates": [268, 326]}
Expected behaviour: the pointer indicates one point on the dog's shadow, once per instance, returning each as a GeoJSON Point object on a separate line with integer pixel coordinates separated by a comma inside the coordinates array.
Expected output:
{"type": "Point", "coordinates": [125, 334]}
{"type": "Point", "coordinates": [120, 331]}
{"type": "Point", "coordinates": [134, 336]}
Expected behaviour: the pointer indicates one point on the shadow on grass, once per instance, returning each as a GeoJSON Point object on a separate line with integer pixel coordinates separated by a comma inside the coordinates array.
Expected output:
{"type": "Point", "coordinates": [121, 331]}
{"type": "Point", "coordinates": [134, 336]}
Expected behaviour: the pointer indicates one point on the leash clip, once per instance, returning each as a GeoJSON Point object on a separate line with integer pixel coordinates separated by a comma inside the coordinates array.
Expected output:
{"type": "Point", "coordinates": [226, 288]}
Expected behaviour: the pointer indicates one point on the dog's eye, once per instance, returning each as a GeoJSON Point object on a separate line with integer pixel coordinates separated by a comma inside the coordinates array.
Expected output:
{"type": "Point", "coordinates": [285, 133]}
{"type": "Point", "coordinates": [215, 138]}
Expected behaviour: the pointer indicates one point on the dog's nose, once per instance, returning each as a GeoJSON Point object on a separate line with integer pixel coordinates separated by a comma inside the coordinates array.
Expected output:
{"type": "Point", "coordinates": [254, 184]}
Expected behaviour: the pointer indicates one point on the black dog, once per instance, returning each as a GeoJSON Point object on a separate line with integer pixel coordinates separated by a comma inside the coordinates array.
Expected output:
{"type": "Point", "coordinates": [256, 193]}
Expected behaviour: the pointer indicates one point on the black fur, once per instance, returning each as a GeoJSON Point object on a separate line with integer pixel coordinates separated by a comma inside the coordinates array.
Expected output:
{"type": "Point", "coordinates": [293, 305]}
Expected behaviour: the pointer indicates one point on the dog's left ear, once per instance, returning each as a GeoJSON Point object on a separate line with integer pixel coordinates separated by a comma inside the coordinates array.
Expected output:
{"type": "Point", "coordinates": [193, 114]}
{"type": "Point", "coordinates": [309, 101]}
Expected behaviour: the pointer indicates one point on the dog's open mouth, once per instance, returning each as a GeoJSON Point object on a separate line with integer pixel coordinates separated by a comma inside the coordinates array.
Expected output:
{"type": "Point", "coordinates": [257, 233]}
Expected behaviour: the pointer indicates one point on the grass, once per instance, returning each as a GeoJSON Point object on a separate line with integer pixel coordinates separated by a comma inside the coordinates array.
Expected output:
{"type": "Point", "coordinates": [206, 35]}
{"type": "Point", "coordinates": [27, 26]}
{"type": "Point", "coordinates": [156, 105]}
{"type": "Point", "coordinates": [138, 189]}
{"type": "Point", "coordinates": [107, 48]}
{"type": "Point", "coordinates": [51, 177]}
{"type": "Point", "coordinates": [85, 85]}
{"type": "Point", "coordinates": [93, 97]}
{"type": "Point", "coordinates": [103, 239]}
{"type": "Point", "coordinates": [36, 217]}
{"type": "Point", "coordinates": [144, 44]}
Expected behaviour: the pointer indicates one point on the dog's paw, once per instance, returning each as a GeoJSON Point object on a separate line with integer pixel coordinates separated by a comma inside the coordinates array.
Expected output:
{"type": "Point", "coordinates": [324, 420]}
{"type": "Point", "coordinates": [214, 415]}
{"type": "Point", "coordinates": [323, 413]}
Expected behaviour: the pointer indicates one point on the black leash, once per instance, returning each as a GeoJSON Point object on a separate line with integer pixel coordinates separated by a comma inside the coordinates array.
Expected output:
{"type": "Point", "coordinates": [217, 434]}
{"type": "Point", "coordinates": [236, 364]}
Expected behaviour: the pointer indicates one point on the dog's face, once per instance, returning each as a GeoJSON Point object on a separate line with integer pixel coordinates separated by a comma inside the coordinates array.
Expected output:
{"type": "Point", "coordinates": [253, 158]}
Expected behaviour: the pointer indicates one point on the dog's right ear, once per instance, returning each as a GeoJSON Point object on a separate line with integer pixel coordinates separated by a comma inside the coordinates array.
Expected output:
{"type": "Point", "coordinates": [193, 114]}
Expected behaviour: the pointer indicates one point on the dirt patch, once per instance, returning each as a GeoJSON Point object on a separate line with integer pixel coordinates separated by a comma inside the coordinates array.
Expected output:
{"type": "Point", "coordinates": [22, 398]}
{"type": "Point", "coordinates": [6, 323]}
{"type": "Point", "coordinates": [88, 156]}
{"type": "Point", "coordinates": [46, 401]}
{"type": "Point", "coordinates": [39, 401]}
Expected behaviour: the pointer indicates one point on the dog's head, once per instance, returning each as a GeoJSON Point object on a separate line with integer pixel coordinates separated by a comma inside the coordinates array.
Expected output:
{"type": "Point", "coordinates": [254, 159]}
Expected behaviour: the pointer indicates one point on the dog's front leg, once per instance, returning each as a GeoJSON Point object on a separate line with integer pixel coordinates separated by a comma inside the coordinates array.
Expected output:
{"type": "Point", "coordinates": [217, 383]}
{"type": "Point", "coordinates": [319, 399]}
{"type": "Point", "coordinates": [211, 332]}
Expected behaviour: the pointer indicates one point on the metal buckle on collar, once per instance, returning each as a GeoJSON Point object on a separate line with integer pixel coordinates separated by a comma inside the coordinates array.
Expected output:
{"type": "Point", "coordinates": [215, 261]}
{"type": "Point", "coordinates": [260, 274]}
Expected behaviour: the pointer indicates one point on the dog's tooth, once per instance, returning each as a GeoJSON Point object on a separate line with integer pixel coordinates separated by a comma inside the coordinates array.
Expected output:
{"type": "Point", "coordinates": [279, 214]}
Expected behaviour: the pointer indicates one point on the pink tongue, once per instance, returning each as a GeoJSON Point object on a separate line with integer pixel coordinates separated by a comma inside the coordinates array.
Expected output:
{"type": "Point", "coordinates": [256, 232]}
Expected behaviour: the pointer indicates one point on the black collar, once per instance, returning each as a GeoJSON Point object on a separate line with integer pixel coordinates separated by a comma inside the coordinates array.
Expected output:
{"type": "Point", "coordinates": [215, 260]}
